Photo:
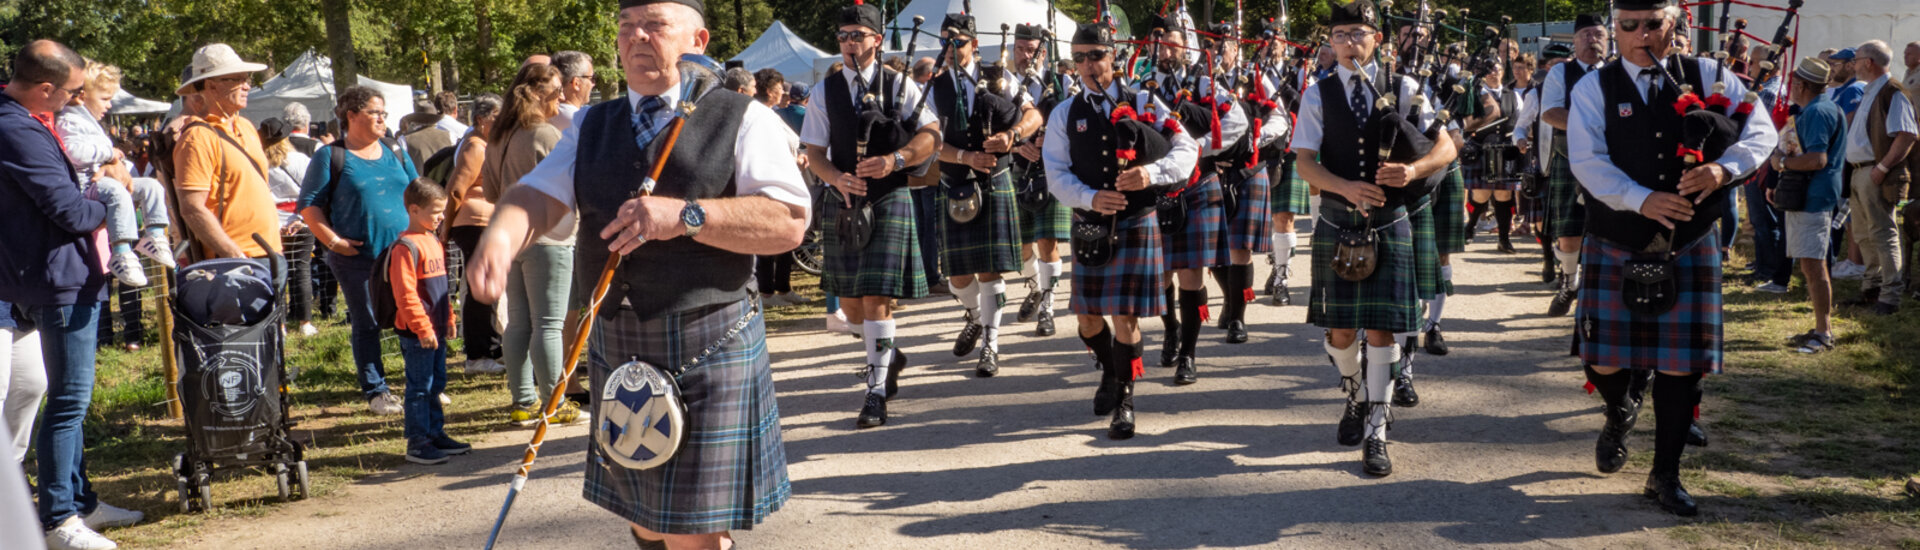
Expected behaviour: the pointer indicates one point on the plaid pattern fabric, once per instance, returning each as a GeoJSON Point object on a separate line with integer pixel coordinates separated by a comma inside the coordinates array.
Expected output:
{"type": "Point", "coordinates": [991, 242]}
{"type": "Point", "coordinates": [1055, 222]}
{"type": "Point", "coordinates": [1450, 212]}
{"type": "Point", "coordinates": [1426, 253]}
{"type": "Point", "coordinates": [1384, 301]}
{"type": "Point", "coordinates": [1566, 211]}
{"type": "Point", "coordinates": [1534, 209]}
{"type": "Point", "coordinates": [1289, 193]}
{"type": "Point", "coordinates": [888, 266]}
{"type": "Point", "coordinates": [732, 473]}
{"type": "Point", "coordinates": [1130, 284]}
{"type": "Point", "coordinates": [1477, 180]}
{"type": "Point", "coordinates": [1686, 340]}
{"type": "Point", "coordinates": [1202, 243]}
{"type": "Point", "coordinates": [1250, 227]}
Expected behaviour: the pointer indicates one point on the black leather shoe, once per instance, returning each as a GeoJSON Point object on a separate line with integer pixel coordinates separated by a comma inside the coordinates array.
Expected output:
{"type": "Point", "coordinates": [1183, 371]}
{"type": "Point", "coordinates": [1672, 497]}
{"type": "Point", "coordinates": [1436, 344]}
{"type": "Point", "coordinates": [645, 544]}
{"type": "Point", "coordinates": [893, 372]}
{"type": "Point", "coordinates": [1403, 394]}
{"type": "Point", "coordinates": [1374, 458]}
{"type": "Point", "coordinates": [1505, 247]}
{"type": "Point", "coordinates": [1695, 436]}
{"type": "Point", "coordinates": [1278, 288]}
{"type": "Point", "coordinates": [1237, 332]}
{"type": "Point", "coordinates": [1563, 300]}
{"type": "Point", "coordinates": [1107, 396]}
{"type": "Point", "coordinates": [1610, 451]}
{"type": "Point", "coordinates": [1028, 306]}
{"type": "Point", "coordinates": [875, 411]}
{"type": "Point", "coordinates": [1122, 425]}
{"type": "Point", "coordinates": [1044, 327]}
{"type": "Point", "coordinates": [1273, 279]}
{"type": "Point", "coordinates": [1171, 348]}
{"type": "Point", "coordinates": [989, 364]}
{"type": "Point", "coordinates": [969, 337]}
{"type": "Point", "coordinates": [1354, 421]}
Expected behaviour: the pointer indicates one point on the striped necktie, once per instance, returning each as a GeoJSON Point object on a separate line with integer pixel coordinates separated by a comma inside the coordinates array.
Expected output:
{"type": "Point", "coordinates": [645, 125]}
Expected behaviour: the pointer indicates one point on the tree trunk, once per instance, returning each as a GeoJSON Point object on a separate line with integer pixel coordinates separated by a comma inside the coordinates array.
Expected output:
{"type": "Point", "coordinates": [739, 25]}
{"type": "Point", "coordinates": [483, 19]}
{"type": "Point", "coordinates": [346, 66]}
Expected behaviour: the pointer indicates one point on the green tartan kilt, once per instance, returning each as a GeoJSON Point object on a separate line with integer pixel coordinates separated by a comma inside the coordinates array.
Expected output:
{"type": "Point", "coordinates": [991, 242]}
{"type": "Point", "coordinates": [1385, 301]}
{"type": "Point", "coordinates": [1426, 252]}
{"type": "Point", "coordinates": [1450, 212]}
{"type": "Point", "coordinates": [1566, 214]}
{"type": "Point", "coordinates": [1053, 221]}
{"type": "Point", "coordinates": [1289, 191]}
{"type": "Point", "coordinates": [888, 266]}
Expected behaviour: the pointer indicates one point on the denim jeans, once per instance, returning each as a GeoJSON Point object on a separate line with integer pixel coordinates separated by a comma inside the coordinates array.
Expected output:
{"type": "Point", "coordinates": [1769, 242]}
{"type": "Point", "coordinates": [1729, 224]}
{"type": "Point", "coordinates": [928, 224]}
{"type": "Point", "coordinates": [426, 380]}
{"type": "Point", "coordinates": [354, 272]}
{"type": "Point", "coordinates": [127, 205]}
{"type": "Point", "coordinates": [67, 336]}
{"type": "Point", "coordinates": [537, 290]}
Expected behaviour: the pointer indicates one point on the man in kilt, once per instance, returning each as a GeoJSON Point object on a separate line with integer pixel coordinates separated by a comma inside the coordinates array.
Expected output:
{"type": "Point", "coordinates": [1489, 128]}
{"type": "Point", "coordinates": [1651, 298]}
{"type": "Point", "coordinates": [1044, 222]}
{"type": "Point", "coordinates": [1281, 87]}
{"type": "Point", "coordinates": [1363, 201]}
{"type": "Point", "coordinates": [981, 120]}
{"type": "Point", "coordinates": [863, 138]}
{"type": "Point", "coordinates": [1566, 213]}
{"type": "Point", "coordinates": [729, 191]}
{"type": "Point", "coordinates": [1248, 217]}
{"type": "Point", "coordinates": [1532, 131]}
{"type": "Point", "coordinates": [1101, 161]}
{"type": "Point", "coordinates": [1192, 219]}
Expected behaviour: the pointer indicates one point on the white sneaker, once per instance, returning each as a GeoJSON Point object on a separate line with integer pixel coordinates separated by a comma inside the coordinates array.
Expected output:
{"type": "Point", "coordinates": [485, 366]}
{"type": "Point", "coordinates": [74, 535]}
{"type": "Point", "coordinates": [1848, 270]}
{"type": "Point", "coordinates": [107, 516]}
{"type": "Point", "coordinates": [385, 404]}
{"type": "Point", "coordinates": [126, 267]}
{"type": "Point", "coordinates": [155, 246]}
{"type": "Point", "coordinates": [307, 329]}
{"type": "Point", "coordinates": [837, 322]}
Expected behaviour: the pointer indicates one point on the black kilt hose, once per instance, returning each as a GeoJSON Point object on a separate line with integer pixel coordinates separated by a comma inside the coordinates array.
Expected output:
{"type": "Point", "coordinates": [732, 472]}
{"type": "Point", "coordinates": [1385, 301]}
{"type": "Point", "coordinates": [1566, 210]}
{"type": "Point", "coordinates": [1250, 225]}
{"type": "Point", "coordinates": [1289, 192]}
{"type": "Point", "coordinates": [888, 266]}
{"type": "Point", "coordinates": [1686, 340]}
{"type": "Point", "coordinates": [1131, 283]}
{"type": "Point", "coordinates": [1450, 212]}
{"type": "Point", "coordinates": [991, 242]}
{"type": "Point", "coordinates": [1202, 242]}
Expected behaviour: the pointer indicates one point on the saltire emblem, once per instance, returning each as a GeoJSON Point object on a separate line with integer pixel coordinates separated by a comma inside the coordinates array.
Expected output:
{"type": "Point", "coordinates": [1080, 125]}
{"type": "Point", "coordinates": [1626, 110]}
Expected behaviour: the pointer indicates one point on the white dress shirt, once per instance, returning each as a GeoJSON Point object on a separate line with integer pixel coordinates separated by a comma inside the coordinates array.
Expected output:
{"type": "Point", "coordinates": [1309, 126]}
{"type": "Point", "coordinates": [761, 164]}
{"type": "Point", "coordinates": [562, 119]}
{"type": "Point", "coordinates": [1056, 153]}
{"type": "Point", "coordinates": [452, 126]}
{"type": "Point", "coordinates": [816, 130]}
{"type": "Point", "coordinates": [1233, 124]}
{"type": "Point", "coordinates": [1534, 128]}
{"type": "Point", "coordinates": [1553, 90]}
{"type": "Point", "coordinates": [1587, 137]}
{"type": "Point", "coordinates": [1899, 119]}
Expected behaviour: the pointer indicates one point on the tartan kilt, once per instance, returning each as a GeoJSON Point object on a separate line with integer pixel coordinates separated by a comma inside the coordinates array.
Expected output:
{"type": "Point", "coordinates": [1450, 212]}
{"type": "Point", "coordinates": [1251, 226]}
{"type": "Point", "coordinates": [1385, 301]}
{"type": "Point", "coordinates": [1289, 193]}
{"type": "Point", "coordinates": [991, 242]}
{"type": "Point", "coordinates": [888, 266]}
{"type": "Point", "coordinates": [1566, 210]}
{"type": "Point", "coordinates": [1477, 180]}
{"type": "Point", "coordinates": [1426, 253]}
{"type": "Point", "coordinates": [732, 472]}
{"type": "Point", "coordinates": [1055, 221]}
{"type": "Point", "coordinates": [1131, 283]}
{"type": "Point", "coordinates": [1686, 340]}
{"type": "Point", "coordinates": [1202, 243]}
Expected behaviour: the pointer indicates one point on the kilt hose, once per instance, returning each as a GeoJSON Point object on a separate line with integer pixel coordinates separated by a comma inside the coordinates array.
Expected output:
{"type": "Point", "coordinates": [1202, 243]}
{"type": "Point", "coordinates": [1385, 301]}
{"type": "Point", "coordinates": [991, 242]}
{"type": "Point", "coordinates": [1687, 339]}
{"type": "Point", "coordinates": [1289, 192]}
{"type": "Point", "coordinates": [1131, 284]}
{"type": "Point", "coordinates": [890, 264]}
{"type": "Point", "coordinates": [732, 472]}
{"type": "Point", "coordinates": [1450, 212]}
{"type": "Point", "coordinates": [1250, 225]}
{"type": "Point", "coordinates": [1566, 209]}
{"type": "Point", "coordinates": [1426, 253]}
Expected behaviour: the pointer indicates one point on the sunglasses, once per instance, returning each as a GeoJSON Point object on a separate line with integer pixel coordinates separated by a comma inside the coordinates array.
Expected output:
{"type": "Point", "coordinates": [1633, 25]}
{"type": "Point", "coordinates": [853, 36]}
{"type": "Point", "coordinates": [1091, 56]}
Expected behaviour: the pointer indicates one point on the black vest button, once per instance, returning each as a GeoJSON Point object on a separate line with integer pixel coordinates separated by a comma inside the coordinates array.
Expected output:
{"type": "Point", "coordinates": [624, 288]}
{"type": "Point", "coordinates": [637, 165]}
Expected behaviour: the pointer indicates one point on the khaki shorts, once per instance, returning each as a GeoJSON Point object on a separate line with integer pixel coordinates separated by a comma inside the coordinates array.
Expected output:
{"type": "Point", "coordinates": [1808, 234]}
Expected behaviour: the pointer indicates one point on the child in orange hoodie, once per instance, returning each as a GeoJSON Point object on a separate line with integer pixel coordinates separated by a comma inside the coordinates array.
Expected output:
{"type": "Point", "coordinates": [423, 313]}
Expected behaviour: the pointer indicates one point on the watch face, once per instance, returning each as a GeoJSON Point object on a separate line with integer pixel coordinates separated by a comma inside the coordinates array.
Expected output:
{"type": "Point", "coordinates": [693, 215]}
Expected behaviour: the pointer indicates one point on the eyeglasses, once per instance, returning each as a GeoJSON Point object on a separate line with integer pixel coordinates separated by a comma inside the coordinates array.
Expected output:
{"type": "Point", "coordinates": [1091, 56]}
{"type": "Point", "coordinates": [589, 77]}
{"type": "Point", "coordinates": [1633, 25]}
{"type": "Point", "coordinates": [73, 92]}
{"type": "Point", "coordinates": [375, 114]}
{"type": "Point", "coordinates": [853, 36]}
{"type": "Point", "coordinates": [1349, 36]}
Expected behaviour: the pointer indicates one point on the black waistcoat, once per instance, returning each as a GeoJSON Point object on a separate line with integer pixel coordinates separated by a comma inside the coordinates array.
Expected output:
{"type": "Point", "coordinates": [1345, 148]}
{"type": "Point", "coordinates": [843, 140]}
{"type": "Point", "coordinates": [665, 276]}
{"type": "Point", "coordinates": [1510, 110]}
{"type": "Point", "coordinates": [1642, 139]}
{"type": "Point", "coordinates": [1090, 143]}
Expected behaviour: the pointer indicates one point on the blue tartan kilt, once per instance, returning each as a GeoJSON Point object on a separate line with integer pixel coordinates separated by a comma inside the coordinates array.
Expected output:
{"type": "Point", "coordinates": [1251, 225]}
{"type": "Point", "coordinates": [991, 242]}
{"type": "Point", "coordinates": [1202, 243]}
{"type": "Point", "coordinates": [1566, 210]}
{"type": "Point", "coordinates": [732, 472]}
{"type": "Point", "coordinates": [1686, 340]}
{"type": "Point", "coordinates": [1289, 192]}
{"type": "Point", "coordinates": [1450, 212]}
{"type": "Point", "coordinates": [1130, 284]}
{"type": "Point", "coordinates": [889, 265]}
{"type": "Point", "coordinates": [1385, 301]}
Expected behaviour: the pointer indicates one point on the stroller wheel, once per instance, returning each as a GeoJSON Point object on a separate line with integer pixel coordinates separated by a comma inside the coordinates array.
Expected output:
{"type": "Point", "coordinates": [280, 476]}
{"type": "Point", "coordinates": [180, 486]}
{"type": "Point", "coordinates": [206, 496]}
{"type": "Point", "coordinates": [300, 473]}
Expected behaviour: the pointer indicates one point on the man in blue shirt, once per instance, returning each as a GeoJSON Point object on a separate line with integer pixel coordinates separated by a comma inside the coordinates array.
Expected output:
{"type": "Point", "coordinates": [1845, 90]}
{"type": "Point", "coordinates": [1812, 159]}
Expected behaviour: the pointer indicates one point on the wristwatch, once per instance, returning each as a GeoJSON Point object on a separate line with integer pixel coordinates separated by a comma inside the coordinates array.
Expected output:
{"type": "Point", "coordinates": [694, 217]}
{"type": "Point", "coordinates": [899, 161]}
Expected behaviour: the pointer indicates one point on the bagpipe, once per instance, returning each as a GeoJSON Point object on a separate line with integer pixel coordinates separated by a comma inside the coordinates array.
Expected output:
{"type": "Point", "coordinates": [1785, 39]}
{"type": "Point", "coordinates": [880, 128]}
{"type": "Point", "coordinates": [991, 112]}
{"type": "Point", "coordinates": [1030, 177]}
{"type": "Point", "coordinates": [1139, 138]}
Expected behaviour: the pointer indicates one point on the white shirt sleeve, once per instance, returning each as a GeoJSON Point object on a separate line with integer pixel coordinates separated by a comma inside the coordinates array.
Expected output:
{"type": "Point", "coordinates": [1307, 125]}
{"type": "Point", "coordinates": [1274, 128]}
{"type": "Point", "coordinates": [87, 144]}
{"type": "Point", "coordinates": [1757, 140]}
{"type": "Point", "coordinates": [1553, 93]}
{"type": "Point", "coordinates": [1529, 112]}
{"type": "Point", "coordinates": [763, 161]}
{"type": "Point", "coordinates": [1233, 124]}
{"type": "Point", "coordinates": [814, 130]}
{"type": "Point", "coordinates": [553, 177]}
{"type": "Point", "coordinates": [1177, 167]}
{"type": "Point", "coordinates": [1056, 156]}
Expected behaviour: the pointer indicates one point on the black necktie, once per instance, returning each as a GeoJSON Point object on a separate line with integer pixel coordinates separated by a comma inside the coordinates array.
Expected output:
{"type": "Point", "coordinates": [1359, 100]}
{"type": "Point", "coordinates": [1653, 82]}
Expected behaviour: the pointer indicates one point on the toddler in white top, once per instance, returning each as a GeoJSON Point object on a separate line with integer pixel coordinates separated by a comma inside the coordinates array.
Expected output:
{"type": "Point", "coordinates": [90, 151]}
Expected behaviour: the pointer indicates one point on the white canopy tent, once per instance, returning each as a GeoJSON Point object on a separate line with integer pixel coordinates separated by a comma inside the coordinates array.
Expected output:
{"type": "Point", "coordinates": [782, 50]}
{"type": "Point", "coordinates": [124, 103]}
{"type": "Point", "coordinates": [309, 81]}
{"type": "Point", "coordinates": [987, 17]}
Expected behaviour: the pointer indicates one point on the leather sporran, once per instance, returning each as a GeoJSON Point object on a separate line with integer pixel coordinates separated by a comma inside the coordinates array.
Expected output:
{"type": "Point", "coordinates": [1649, 287]}
{"type": "Point", "coordinates": [965, 201]}
{"type": "Point", "coordinates": [1172, 211]}
{"type": "Point", "coordinates": [855, 224]}
{"type": "Point", "coordinates": [1031, 192]}
{"type": "Point", "coordinates": [1356, 254]}
{"type": "Point", "coordinates": [1094, 242]}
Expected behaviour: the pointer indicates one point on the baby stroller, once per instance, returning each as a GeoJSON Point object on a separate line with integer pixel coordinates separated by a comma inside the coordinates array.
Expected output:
{"type": "Point", "coordinates": [233, 380]}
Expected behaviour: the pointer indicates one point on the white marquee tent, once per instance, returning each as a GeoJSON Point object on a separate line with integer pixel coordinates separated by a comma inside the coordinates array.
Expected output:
{"type": "Point", "coordinates": [987, 17]}
{"type": "Point", "coordinates": [309, 81]}
{"type": "Point", "coordinates": [124, 103]}
{"type": "Point", "coordinates": [784, 51]}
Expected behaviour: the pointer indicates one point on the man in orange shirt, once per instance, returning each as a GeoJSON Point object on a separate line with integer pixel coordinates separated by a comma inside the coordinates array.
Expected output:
{"type": "Point", "coordinates": [219, 163]}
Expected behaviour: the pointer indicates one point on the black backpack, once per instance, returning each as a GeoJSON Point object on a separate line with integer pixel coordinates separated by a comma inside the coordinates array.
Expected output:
{"type": "Point", "coordinates": [438, 166]}
{"type": "Point", "coordinates": [337, 163]}
{"type": "Point", "coordinates": [386, 306]}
